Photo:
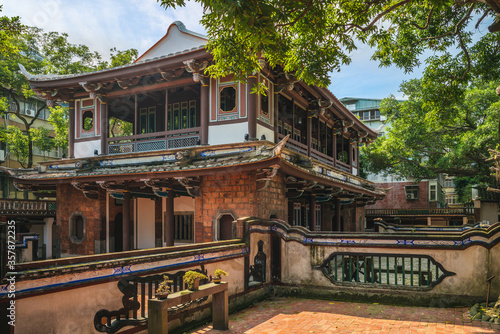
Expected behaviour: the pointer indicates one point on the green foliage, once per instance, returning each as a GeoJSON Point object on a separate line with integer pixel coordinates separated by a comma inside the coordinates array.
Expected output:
{"type": "Point", "coordinates": [41, 139]}
{"type": "Point", "coordinates": [120, 128]}
{"type": "Point", "coordinates": [42, 53]}
{"type": "Point", "coordinates": [219, 273]}
{"type": "Point", "coordinates": [427, 136]}
{"type": "Point", "coordinates": [311, 39]}
{"type": "Point", "coordinates": [190, 276]}
{"type": "Point", "coordinates": [59, 119]}
{"type": "Point", "coordinates": [119, 58]}
{"type": "Point", "coordinates": [18, 143]}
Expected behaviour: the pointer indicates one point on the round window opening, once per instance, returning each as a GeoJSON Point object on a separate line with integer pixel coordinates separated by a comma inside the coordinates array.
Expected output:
{"type": "Point", "coordinates": [77, 227]}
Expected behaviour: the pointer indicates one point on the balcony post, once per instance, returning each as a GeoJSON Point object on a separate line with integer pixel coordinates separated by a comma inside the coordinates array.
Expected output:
{"type": "Point", "coordinates": [309, 136]}
{"type": "Point", "coordinates": [252, 108]}
{"type": "Point", "coordinates": [104, 125]}
{"type": "Point", "coordinates": [338, 226]}
{"type": "Point", "coordinates": [166, 113]}
{"type": "Point", "coordinates": [275, 114]}
{"type": "Point", "coordinates": [204, 111]}
{"type": "Point", "coordinates": [71, 130]}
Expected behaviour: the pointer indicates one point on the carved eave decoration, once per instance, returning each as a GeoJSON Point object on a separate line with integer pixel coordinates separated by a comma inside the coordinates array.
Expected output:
{"type": "Point", "coordinates": [90, 190]}
{"type": "Point", "coordinates": [191, 184]}
{"type": "Point", "coordinates": [197, 69]}
{"type": "Point", "coordinates": [266, 175]}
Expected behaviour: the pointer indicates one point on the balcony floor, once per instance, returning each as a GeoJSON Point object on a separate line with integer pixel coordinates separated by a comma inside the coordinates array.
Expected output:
{"type": "Point", "coordinates": [294, 315]}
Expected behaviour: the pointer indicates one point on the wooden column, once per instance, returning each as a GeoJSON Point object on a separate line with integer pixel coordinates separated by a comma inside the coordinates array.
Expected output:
{"type": "Point", "coordinates": [204, 113]}
{"type": "Point", "coordinates": [136, 117]}
{"type": "Point", "coordinates": [252, 108]}
{"type": "Point", "coordinates": [169, 219]}
{"type": "Point", "coordinates": [312, 212]}
{"type": "Point", "coordinates": [337, 214]}
{"type": "Point", "coordinates": [309, 136]}
{"type": "Point", "coordinates": [71, 130]}
{"type": "Point", "coordinates": [276, 115]}
{"type": "Point", "coordinates": [126, 221]}
{"type": "Point", "coordinates": [166, 111]}
{"type": "Point", "coordinates": [104, 125]}
{"type": "Point", "coordinates": [334, 150]}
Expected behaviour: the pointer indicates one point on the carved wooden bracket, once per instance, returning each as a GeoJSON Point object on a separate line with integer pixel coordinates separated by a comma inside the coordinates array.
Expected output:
{"type": "Point", "coordinates": [90, 190]}
{"type": "Point", "coordinates": [266, 175]}
{"type": "Point", "coordinates": [191, 184]}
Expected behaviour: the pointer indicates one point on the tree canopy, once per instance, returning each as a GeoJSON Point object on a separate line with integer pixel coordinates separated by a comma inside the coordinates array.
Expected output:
{"type": "Point", "coordinates": [421, 141]}
{"type": "Point", "coordinates": [311, 39]}
{"type": "Point", "coordinates": [40, 53]}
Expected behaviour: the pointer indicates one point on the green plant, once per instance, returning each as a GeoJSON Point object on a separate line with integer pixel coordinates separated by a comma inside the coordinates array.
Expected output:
{"type": "Point", "coordinates": [190, 276]}
{"type": "Point", "coordinates": [164, 286]}
{"type": "Point", "coordinates": [219, 273]}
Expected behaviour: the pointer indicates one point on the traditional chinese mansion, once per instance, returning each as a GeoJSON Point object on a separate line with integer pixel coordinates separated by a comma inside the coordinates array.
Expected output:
{"type": "Point", "coordinates": [161, 154]}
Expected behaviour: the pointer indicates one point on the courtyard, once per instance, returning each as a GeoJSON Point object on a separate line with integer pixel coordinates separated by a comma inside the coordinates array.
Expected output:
{"type": "Point", "coordinates": [295, 315]}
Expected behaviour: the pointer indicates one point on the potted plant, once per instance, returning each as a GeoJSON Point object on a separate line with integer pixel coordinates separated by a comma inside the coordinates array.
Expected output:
{"type": "Point", "coordinates": [192, 279]}
{"type": "Point", "coordinates": [218, 276]}
{"type": "Point", "coordinates": [163, 289]}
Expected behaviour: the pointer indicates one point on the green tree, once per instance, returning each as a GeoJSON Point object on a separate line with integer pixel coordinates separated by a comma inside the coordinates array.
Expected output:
{"type": "Point", "coordinates": [41, 53]}
{"type": "Point", "coordinates": [18, 143]}
{"type": "Point", "coordinates": [313, 38]}
{"type": "Point", "coordinates": [59, 119]}
{"type": "Point", "coordinates": [424, 138]}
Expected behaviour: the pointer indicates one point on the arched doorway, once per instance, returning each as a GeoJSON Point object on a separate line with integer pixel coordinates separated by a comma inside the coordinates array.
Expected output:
{"type": "Point", "coordinates": [226, 227]}
{"type": "Point", "coordinates": [118, 232]}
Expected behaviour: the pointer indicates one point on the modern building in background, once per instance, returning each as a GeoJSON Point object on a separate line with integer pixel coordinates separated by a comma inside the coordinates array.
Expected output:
{"type": "Point", "coordinates": [428, 202]}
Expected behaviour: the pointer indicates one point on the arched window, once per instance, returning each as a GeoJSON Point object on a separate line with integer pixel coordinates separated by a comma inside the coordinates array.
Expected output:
{"type": "Point", "coordinates": [77, 224]}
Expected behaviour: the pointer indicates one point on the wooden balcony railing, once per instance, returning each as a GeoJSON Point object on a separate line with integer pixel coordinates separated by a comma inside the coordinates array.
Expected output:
{"type": "Point", "coordinates": [22, 207]}
{"type": "Point", "coordinates": [420, 212]}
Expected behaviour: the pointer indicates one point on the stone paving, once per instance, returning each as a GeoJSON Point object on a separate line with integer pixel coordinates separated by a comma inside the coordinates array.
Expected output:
{"type": "Point", "coordinates": [293, 315]}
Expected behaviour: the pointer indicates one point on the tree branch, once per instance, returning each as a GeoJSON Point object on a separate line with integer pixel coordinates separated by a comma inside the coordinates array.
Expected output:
{"type": "Point", "coordinates": [379, 16]}
{"type": "Point", "coordinates": [428, 21]}
{"type": "Point", "coordinates": [304, 12]}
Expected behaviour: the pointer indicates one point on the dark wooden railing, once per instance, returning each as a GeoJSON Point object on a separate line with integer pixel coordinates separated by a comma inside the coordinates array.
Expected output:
{"type": "Point", "coordinates": [420, 212]}
{"type": "Point", "coordinates": [22, 207]}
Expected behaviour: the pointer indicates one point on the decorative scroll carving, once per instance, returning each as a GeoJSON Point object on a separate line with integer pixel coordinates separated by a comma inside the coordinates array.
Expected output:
{"type": "Point", "coordinates": [196, 68]}
{"type": "Point", "coordinates": [265, 176]}
{"type": "Point", "coordinates": [192, 185]}
{"type": "Point", "coordinates": [89, 190]}
{"type": "Point", "coordinates": [279, 147]}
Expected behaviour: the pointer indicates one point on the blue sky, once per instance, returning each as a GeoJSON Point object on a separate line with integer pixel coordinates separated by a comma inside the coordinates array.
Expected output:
{"type": "Point", "coordinates": [125, 24]}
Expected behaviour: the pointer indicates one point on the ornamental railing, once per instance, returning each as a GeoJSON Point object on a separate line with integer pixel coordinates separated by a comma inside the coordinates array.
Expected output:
{"type": "Point", "coordinates": [420, 212]}
{"type": "Point", "coordinates": [10, 206]}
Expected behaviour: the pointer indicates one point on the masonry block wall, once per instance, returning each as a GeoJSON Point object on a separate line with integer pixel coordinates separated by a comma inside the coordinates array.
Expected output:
{"type": "Point", "coordinates": [91, 209]}
{"type": "Point", "coordinates": [396, 197]}
{"type": "Point", "coordinates": [236, 194]}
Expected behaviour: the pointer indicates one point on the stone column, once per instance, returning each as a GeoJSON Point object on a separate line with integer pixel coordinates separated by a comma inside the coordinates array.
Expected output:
{"type": "Point", "coordinates": [204, 113]}
{"type": "Point", "coordinates": [252, 108]}
{"type": "Point", "coordinates": [126, 221]}
{"type": "Point", "coordinates": [71, 130]}
{"type": "Point", "coordinates": [169, 219]}
{"type": "Point", "coordinates": [47, 236]}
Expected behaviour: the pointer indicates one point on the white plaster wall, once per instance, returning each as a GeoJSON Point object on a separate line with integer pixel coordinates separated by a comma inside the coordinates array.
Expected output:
{"type": "Point", "coordinates": [145, 223]}
{"type": "Point", "coordinates": [262, 130]}
{"type": "Point", "coordinates": [86, 149]}
{"type": "Point", "coordinates": [175, 41]}
{"type": "Point", "coordinates": [227, 133]}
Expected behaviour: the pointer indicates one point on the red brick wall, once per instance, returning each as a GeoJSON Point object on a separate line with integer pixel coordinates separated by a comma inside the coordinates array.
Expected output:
{"type": "Point", "coordinates": [72, 200]}
{"type": "Point", "coordinates": [236, 194]}
{"type": "Point", "coordinates": [396, 197]}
